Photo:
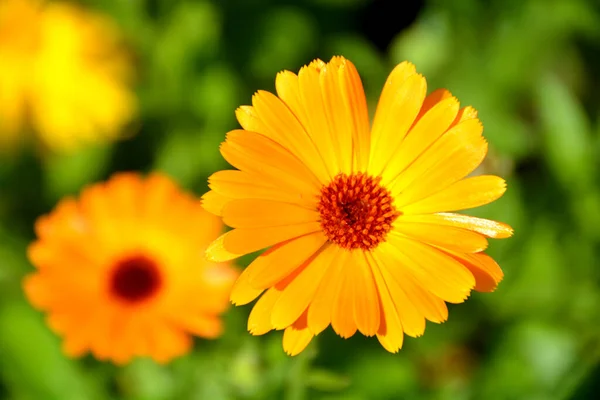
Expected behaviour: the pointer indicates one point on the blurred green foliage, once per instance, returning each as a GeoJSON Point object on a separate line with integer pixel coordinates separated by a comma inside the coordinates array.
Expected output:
{"type": "Point", "coordinates": [531, 69]}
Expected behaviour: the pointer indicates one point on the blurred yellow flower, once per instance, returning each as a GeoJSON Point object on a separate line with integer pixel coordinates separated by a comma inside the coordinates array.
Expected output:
{"type": "Point", "coordinates": [122, 272]}
{"type": "Point", "coordinates": [62, 75]}
{"type": "Point", "coordinates": [357, 218]}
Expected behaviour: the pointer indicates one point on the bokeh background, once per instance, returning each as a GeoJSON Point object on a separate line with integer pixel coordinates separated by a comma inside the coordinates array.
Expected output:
{"type": "Point", "coordinates": [531, 68]}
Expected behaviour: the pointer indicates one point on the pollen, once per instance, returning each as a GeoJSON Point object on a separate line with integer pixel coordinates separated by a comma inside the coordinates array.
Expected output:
{"type": "Point", "coordinates": [135, 279]}
{"type": "Point", "coordinates": [356, 211]}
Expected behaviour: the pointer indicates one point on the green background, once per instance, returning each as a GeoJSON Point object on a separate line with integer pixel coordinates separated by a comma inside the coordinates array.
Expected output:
{"type": "Point", "coordinates": [531, 68]}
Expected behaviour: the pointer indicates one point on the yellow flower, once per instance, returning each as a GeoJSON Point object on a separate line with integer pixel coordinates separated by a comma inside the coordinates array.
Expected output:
{"type": "Point", "coordinates": [122, 272]}
{"type": "Point", "coordinates": [358, 220]}
{"type": "Point", "coordinates": [62, 74]}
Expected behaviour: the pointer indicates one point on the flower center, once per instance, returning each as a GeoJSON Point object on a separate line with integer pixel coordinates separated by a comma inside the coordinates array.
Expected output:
{"type": "Point", "coordinates": [356, 211]}
{"type": "Point", "coordinates": [135, 279]}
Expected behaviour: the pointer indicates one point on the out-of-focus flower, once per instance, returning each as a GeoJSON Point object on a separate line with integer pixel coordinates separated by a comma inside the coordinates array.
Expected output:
{"type": "Point", "coordinates": [63, 74]}
{"type": "Point", "coordinates": [122, 271]}
{"type": "Point", "coordinates": [358, 219]}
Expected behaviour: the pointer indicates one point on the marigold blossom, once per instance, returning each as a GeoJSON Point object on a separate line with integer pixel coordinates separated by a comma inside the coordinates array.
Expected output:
{"type": "Point", "coordinates": [358, 219]}
{"type": "Point", "coordinates": [64, 74]}
{"type": "Point", "coordinates": [121, 272]}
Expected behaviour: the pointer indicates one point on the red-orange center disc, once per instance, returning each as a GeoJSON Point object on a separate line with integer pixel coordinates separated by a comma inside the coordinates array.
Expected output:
{"type": "Point", "coordinates": [356, 211]}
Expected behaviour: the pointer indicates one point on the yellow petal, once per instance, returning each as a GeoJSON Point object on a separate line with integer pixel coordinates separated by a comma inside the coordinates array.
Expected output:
{"type": "Point", "coordinates": [425, 132]}
{"type": "Point", "coordinates": [315, 119]}
{"type": "Point", "coordinates": [366, 297]}
{"type": "Point", "coordinates": [462, 195]}
{"type": "Point", "coordinates": [485, 227]}
{"type": "Point", "coordinates": [342, 316]}
{"type": "Point", "coordinates": [242, 292]}
{"type": "Point", "coordinates": [297, 337]}
{"type": "Point", "coordinates": [393, 278]}
{"type": "Point", "coordinates": [267, 270]}
{"type": "Point", "coordinates": [464, 114]}
{"type": "Point", "coordinates": [432, 100]}
{"type": "Point", "coordinates": [243, 241]}
{"type": "Point", "coordinates": [456, 154]}
{"type": "Point", "coordinates": [277, 166]}
{"type": "Point", "coordinates": [257, 213]}
{"type": "Point", "coordinates": [216, 251]}
{"type": "Point", "coordinates": [448, 237]}
{"type": "Point", "coordinates": [288, 89]}
{"type": "Point", "coordinates": [486, 271]}
{"type": "Point", "coordinates": [356, 103]}
{"type": "Point", "coordinates": [395, 114]}
{"type": "Point", "coordinates": [336, 113]}
{"type": "Point", "coordinates": [390, 333]}
{"type": "Point", "coordinates": [300, 291]}
{"type": "Point", "coordinates": [259, 320]}
{"type": "Point", "coordinates": [214, 202]}
{"type": "Point", "coordinates": [233, 184]}
{"type": "Point", "coordinates": [320, 309]}
{"type": "Point", "coordinates": [435, 271]}
{"type": "Point", "coordinates": [283, 127]}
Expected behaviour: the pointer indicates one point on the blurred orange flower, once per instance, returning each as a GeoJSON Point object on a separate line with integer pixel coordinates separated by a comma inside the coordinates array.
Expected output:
{"type": "Point", "coordinates": [358, 219]}
{"type": "Point", "coordinates": [122, 272]}
{"type": "Point", "coordinates": [63, 74]}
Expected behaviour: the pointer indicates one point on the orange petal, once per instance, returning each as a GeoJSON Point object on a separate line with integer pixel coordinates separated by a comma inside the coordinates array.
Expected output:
{"type": "Point", "coordinates": [283, 127]}
{"type": "Point", "coordinates": [125, 192]}
{"type": "Point", "coordinates": [297, 337]}
{"type": "Point", "coordinates": [342, 316]}
{"type": "Point", "coordinates": [448, 237]}
{"type": "Point", "coordinates": [214, 202]}
{"type": "Point", "coordinates": [486, 271]}
{"type": "Point", "coordinates": [432, 100]}
{"type": "Point", "coordinates": [395, 114]}
{"type": "Point", "coordinates": [233, 184]}
{"type": "Point", "coordinates": [424, 133]}
{"type": "Point", "coordinates": [300, 291]}
{"type": "Point", "coordinates": [456, 154]}
{"type": "Point", "coordinates": [259, 321]}
{"type": "Point", "coordinates": [485, 227]}
{"type": "Point", "coordinates": [366, 297]}
{"type": "Point", "coordinates": [356, 104]}
{"type": "Point", "coordinates": [390, 333]}
{"type": "Point", "coordinates": [464, 194]}
{"type": "Point", "coordinates": [262, 156]}
{"type": "Point", "coordinates": [320, 309]}
{"type": "Point", "coordinates": [314, 119]}
{"type": "Point", "coordinates": [464, 114]}
{"type": "Point", "coordinates": [216, 251]}
{"type": "Point", "coordinates": [435, 271]}
{"type": "Point", "coordinates": [240, 241]}
{"type": "Point", "coordinates": [242, 292]}
{"type": "Point", "coordinates": [257, 213]}
{"type": "Point", "coordinates": [391, 278]}
{"type": "Point", "coordinates": [267, 270]}
{"type": "Point", "coordinates": [159, 191]}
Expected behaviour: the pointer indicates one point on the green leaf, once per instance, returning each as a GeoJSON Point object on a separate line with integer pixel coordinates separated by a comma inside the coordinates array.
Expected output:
{"type": "Point", "coordinates": [566, 133]}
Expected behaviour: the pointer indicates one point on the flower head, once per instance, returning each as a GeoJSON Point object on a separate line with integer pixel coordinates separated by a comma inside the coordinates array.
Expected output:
{"type": "Point", "coordinates": [358, 219]}
{"type": "Point", "coordinates": [63, 74]}
{"type": "Point", "coordinates": [122, 272]}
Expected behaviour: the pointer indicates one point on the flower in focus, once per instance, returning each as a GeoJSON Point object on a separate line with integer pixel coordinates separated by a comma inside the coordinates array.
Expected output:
{"type": "Point", "coordinates": [122, 271]}
{"type": "Point", "coordinates": [358, 220]}
{"type": "Point", "coordinates": [63, 74]}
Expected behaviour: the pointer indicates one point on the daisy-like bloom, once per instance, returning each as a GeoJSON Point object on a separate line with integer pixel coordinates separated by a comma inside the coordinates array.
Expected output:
{"type": "Point", "coordinates": [121, 272]}
{"type": "Point", "coordinates": [358, 219]}
{"type": "Point", "coordinates": [63, 74]}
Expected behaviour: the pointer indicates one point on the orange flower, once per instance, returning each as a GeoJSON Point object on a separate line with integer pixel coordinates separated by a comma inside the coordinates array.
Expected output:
{"type": "Point", "coordinates": [122, 272]}
{"type": "Point", "coordinates": [358, 219]}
